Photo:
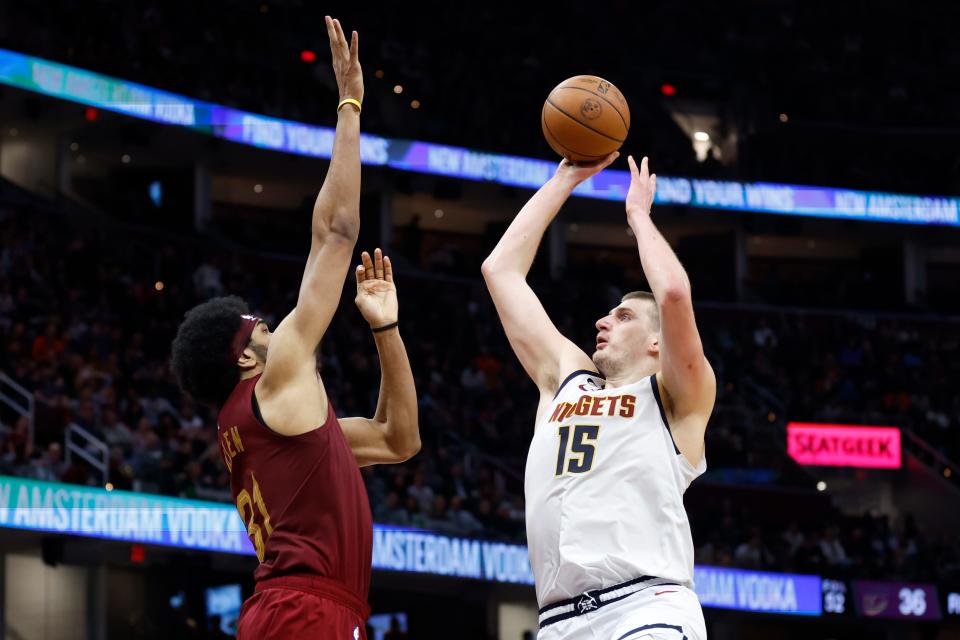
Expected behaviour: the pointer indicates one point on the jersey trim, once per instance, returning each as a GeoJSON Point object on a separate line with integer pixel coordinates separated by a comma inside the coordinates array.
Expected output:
{"type": "Point", "coordinates": [663, 414]}
{"type": "Point", "coordinates": [572, 376]}
{"type": "Point", "coordinates": [661, 625]}
{"type": "Point", "coordinates": [259, 416]}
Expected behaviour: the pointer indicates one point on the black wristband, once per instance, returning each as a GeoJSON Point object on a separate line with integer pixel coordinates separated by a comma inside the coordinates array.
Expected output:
{"type": "Point", "coordinates": [384, 327]}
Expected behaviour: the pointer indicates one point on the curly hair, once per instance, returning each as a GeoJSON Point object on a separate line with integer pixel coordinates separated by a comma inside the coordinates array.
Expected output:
{"type": "Point", "coordinates": [200, 353]}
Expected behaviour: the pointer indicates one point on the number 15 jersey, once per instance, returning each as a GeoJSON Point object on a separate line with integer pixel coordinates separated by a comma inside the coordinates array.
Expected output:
{"type": "Point", "coordinates": [604, 487]}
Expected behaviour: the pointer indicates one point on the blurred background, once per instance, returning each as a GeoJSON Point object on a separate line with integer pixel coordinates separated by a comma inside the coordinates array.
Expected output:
{"type": "Point", "coordinates": [156, 154]}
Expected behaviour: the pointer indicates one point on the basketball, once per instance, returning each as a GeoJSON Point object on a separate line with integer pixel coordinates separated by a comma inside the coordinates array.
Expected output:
{"type": "Point", "coordinates": [585, 119]}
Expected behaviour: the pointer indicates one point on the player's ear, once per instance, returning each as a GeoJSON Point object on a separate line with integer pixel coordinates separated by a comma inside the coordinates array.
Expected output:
{"type": "Point", "coordinates": [653, 346]}
{"type": "Point", "coordinates": [247, 360]}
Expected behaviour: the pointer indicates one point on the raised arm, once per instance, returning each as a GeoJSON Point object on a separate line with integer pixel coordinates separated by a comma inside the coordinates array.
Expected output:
{"type": "Point", "coordinates": [685, 373]}
{"type": "Point", "coordinates": [542, 350]}
{"type": "Point", "coordinates": [334, 229]}
{"type": "Point", "coordinates": [393, 434]}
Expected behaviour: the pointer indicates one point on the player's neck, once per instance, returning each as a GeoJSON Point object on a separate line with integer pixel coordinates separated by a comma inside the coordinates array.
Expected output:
{"type": "Point", "coordinates": [250, 373]}
{"type": "Point", "coordinates": [643, 369]}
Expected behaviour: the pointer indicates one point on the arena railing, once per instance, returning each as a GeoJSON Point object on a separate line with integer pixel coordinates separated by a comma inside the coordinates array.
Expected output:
{"type": "Point", "coordinates": [940, 464]}
{"type": "Point", "coordinates": [89, 441]}
{"type": "Point", "coordinates": [20, 400]}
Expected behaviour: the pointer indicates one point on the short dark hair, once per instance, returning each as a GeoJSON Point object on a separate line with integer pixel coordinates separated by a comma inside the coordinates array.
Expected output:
{"type": "Point", "coordinates": [200, 354]}
{"type": "Point", "coordinates": [654, 309]}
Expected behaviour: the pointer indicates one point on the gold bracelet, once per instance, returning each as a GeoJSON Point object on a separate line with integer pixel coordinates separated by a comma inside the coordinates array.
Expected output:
{"type": "Point", "coordinates": [355, 103]}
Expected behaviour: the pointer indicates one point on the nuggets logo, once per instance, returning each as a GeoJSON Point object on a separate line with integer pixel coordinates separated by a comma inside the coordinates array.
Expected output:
{"type": "Point", "coordinates": [590, 109]}
{"type": "Point", "coordinates": [590, 385]}
{"type": "Point", "coordinates": [622, 406]}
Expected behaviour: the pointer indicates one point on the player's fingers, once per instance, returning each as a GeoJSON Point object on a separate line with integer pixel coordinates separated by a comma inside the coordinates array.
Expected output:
{"type": "Point", "coordinates": [653, 183]}
{"type": "Point", "coordinates": [644, 171]}
{"type": "Point", "coordinates": [340, 37]}
{"type": "Point", "coordinates": [387, 269]}
{"type": "Point", "coordinates": [355, 47]}
{"type": "Point", "coordinates": [378, 263]}
{"type": "Point", "coordinates": [367, 263]}
{"type": "Point", "coordinates": [331, 34]}
{"type": "Point", "coordinates": [361, 274]}
{"type": "Point", "coordinates": [633, 167]}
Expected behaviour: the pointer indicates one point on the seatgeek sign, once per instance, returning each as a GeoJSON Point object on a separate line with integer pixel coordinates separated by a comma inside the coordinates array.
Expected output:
{"type": "Point", "coordinates": [147, 103]}
{"type": "Point", "coordinates": [837, 445]}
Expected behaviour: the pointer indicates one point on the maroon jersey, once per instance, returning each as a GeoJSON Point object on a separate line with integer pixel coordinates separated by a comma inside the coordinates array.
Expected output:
{"type": "Point", "coordinates": [301, 497]}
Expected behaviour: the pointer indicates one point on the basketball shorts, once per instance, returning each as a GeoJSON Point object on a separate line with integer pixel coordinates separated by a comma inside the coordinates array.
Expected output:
{"type": "Point", "coordinates": [666, 612]}
{"type": "Point", "coordinates": [302, 607]}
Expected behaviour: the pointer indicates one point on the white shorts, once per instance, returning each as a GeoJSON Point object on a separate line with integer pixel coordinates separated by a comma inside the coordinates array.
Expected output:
{"type": "Point", "coordinates": [668, 612]}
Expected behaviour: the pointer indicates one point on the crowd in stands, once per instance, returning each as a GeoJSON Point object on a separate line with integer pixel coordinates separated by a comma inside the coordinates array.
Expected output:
{"type": "Point", "coordinates": [749, 63]}
{"type": "Point", "coordinates": [86, 323]}
{"type": "Point", "coordinates": [863, 546]}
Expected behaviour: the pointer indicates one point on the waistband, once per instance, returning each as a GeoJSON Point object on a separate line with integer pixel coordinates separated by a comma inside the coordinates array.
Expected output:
{"type": "Point", "coordinates": [596, 598]}
{"type": "Point", "coordinates": [320, 587]}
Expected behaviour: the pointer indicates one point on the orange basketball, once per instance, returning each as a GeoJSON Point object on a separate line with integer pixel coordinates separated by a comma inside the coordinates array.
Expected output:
{"type": "Point", "coordinates": [585, 119]}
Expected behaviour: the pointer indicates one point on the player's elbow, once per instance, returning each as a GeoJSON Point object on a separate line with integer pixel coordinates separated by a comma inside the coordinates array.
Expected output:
{"type": "Point", "coordinates": [677, 291]}
{"type": "Point", "coordinates": [403, 451]}
{"type": "Point", "coordinates": [403, 440]}
{"type": "Point", "coordinates": [494, 270]}
{"type": "Point", "coordinates": [342, 225]}
{"type": "Point", "coordinates": [489, 268]}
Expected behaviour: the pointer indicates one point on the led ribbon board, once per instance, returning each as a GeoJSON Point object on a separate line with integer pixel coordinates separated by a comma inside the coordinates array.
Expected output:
{"type": "Point", "coordinates": [758, 591]}
{"type": "Point", "coordinates": [140, 101]}
{"type": "Point", "coordinates": [213, 526]}
{"type": "Point", "coordinates": [836, 445]}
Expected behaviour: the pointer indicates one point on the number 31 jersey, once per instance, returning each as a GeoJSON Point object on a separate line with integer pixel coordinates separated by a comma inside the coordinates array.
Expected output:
{"type": "Point", "coordinates": [604, 487]}
{"type": "Point", "coordinates": [301, 498]}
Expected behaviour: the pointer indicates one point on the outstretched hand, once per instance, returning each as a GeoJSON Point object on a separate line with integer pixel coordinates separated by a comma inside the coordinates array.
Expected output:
{"type": "Point", "coordinates": [575, 173]}
{"type": "Point", "coordinates": [346, 60]}
{"type": "Point", "coordinates": [376, 293]}
{"type": "Point", "coordinates": [643, 187]}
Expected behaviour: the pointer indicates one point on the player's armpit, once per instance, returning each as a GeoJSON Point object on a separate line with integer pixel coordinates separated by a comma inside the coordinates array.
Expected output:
{"type": "Point", "coordinates": [687, 428]}
{"type": "Point", "coordinates": [374, 442]}
{"type": "Point", "coordinates": [544, 352]}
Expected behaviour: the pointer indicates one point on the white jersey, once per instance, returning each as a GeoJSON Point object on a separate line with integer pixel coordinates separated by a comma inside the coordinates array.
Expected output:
{"type": "Point", "coordinates": [604, 489]}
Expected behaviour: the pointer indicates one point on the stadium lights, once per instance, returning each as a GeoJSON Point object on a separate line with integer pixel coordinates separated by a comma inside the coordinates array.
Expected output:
{"type": "Point", "coordinates": [158, 285]}
{"type": "Point", "coordinates": [784, 117]}
{"type": "Point", "coordinates": [668, 89]}
{"type": "Point", "coordinates": [414, 104]}
{"type": "Point", "coordinates": [74, 146]}
{"type": "Point", "coordinates": [397, 88]}
{"type": "Point", "coordinates": [258, 188]}
{"type": "Point", "coordinates": [125, 158]}
{"type": "Point", "coordinates": [821, 486]}
{"type": "Point", "coordinates": [438, 213]}
{"type": "Point", "coordinates": [378, 73]}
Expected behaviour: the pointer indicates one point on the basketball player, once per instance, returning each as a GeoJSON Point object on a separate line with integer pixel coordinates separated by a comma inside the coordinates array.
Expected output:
{"type": "Point", "coordinates": [618, 438]}
{"type": "Point", "coordinates": [293, 466]}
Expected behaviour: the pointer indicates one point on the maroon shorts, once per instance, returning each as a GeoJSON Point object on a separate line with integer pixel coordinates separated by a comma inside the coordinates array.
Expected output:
{"type": "Point", "coordinates": [302, 607]}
